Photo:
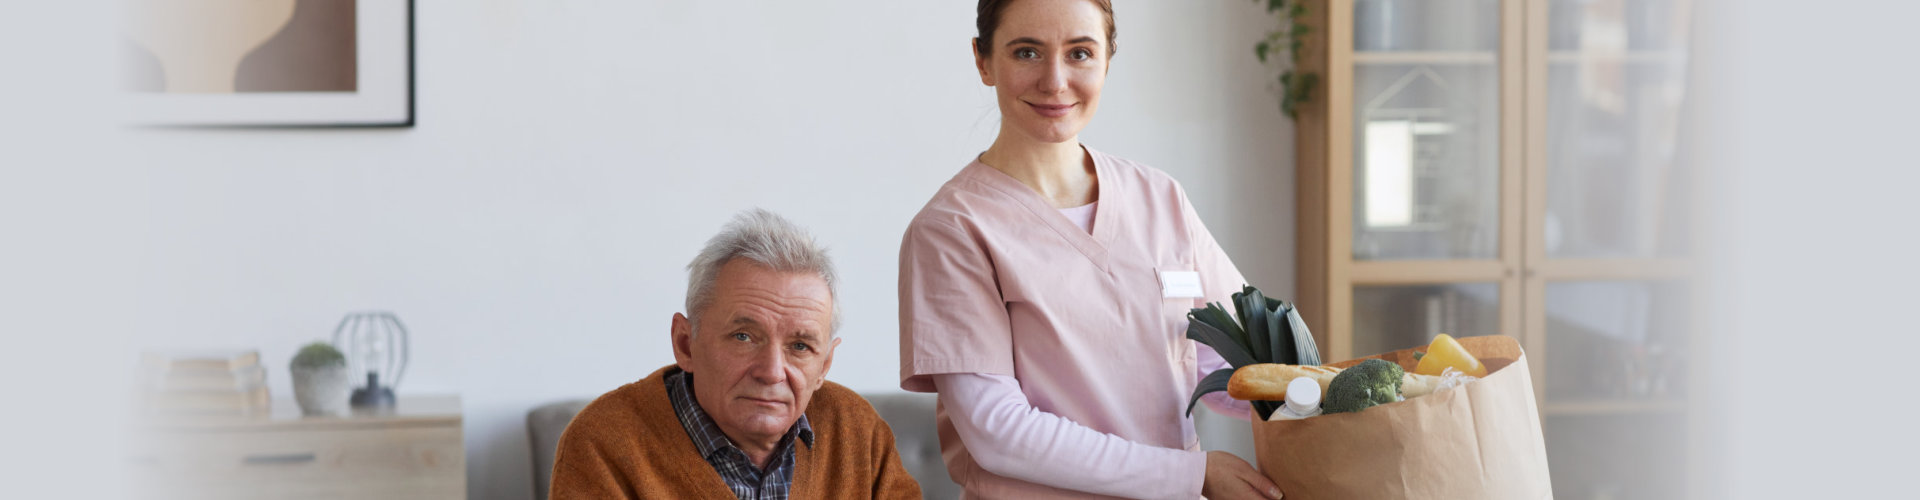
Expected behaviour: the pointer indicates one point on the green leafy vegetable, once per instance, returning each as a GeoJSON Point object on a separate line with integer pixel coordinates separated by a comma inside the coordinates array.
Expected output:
{"type": "Point", "coordinates": [1215, 382]}
{"type": "Point", "coordinates": [1261, 330]}
{"type": "Point", "coordinates": [1285, 348]}
{"type": "Point", "coordinates": [1307, 352]}
{"type": "Point", "coordinates": [1202, 331]}
{"type": "Point", "coordinates": [1252, 307]}
{"type": "Point", "coordinates": [1217, 317]}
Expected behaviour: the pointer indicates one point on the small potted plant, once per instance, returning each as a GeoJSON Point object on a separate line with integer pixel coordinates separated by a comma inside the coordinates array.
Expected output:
{"type": "Point", "coordinates": [320, 381]}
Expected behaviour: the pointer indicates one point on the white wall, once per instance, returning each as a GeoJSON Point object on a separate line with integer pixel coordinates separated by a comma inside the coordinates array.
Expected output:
{"type": "Point", "coordinates": [1810, 138]}
{"type": "Point", "coordinates": [571, 155]}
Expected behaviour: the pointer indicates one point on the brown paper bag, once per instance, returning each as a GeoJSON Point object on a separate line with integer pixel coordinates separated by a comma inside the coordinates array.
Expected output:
{"type": "Point", "coordinates": [1481, 440]}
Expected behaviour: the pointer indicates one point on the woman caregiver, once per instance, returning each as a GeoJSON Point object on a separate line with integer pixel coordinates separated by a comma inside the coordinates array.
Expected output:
{"type": "Point", "coordinates": [1044, 290]}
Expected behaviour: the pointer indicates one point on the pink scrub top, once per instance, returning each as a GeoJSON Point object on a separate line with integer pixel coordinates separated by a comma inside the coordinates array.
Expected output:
{"type": "Point", "coordinates": [994, 280]}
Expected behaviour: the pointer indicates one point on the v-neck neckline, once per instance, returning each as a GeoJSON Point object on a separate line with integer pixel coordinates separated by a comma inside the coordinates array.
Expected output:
{"type": "Point", "coordinates": [1093, 245]}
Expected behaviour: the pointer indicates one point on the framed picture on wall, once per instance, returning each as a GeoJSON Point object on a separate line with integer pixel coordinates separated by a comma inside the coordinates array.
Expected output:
{"type": "Point", "coordinates": [269, 63]}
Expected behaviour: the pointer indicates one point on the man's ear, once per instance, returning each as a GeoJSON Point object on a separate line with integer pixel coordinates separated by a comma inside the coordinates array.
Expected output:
{"type": "Point", "coordinates": [682, 342]}
{"type": "Point", "coordinates": [980, 62]}
{"type": "Point", "coordinates": [828, 365]}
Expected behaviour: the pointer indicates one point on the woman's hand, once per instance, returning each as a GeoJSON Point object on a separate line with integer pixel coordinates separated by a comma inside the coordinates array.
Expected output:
{"type": "Point", "coordinates": [1228, 477]}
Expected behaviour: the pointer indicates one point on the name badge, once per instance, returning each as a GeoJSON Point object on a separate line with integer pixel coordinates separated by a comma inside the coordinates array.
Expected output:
{"type": "Point", "coordinates": [1180, 285]}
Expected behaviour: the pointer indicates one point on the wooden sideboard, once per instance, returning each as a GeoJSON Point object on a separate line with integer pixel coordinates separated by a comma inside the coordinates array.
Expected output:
{"type": "Point", "coordinates": [414, 451]}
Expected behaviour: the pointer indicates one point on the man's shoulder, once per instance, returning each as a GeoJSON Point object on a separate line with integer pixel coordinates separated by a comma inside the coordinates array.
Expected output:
{"type": "Point", "coordinates": [622, 411]}
{"type": "Point", "coordinates": [625, 441]}
{"type": "Point", "coordinates": [842, 405]}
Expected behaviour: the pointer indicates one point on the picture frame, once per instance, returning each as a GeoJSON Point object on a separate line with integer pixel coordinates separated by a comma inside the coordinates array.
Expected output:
{"type": "Point", "coordinates": [270, 63]}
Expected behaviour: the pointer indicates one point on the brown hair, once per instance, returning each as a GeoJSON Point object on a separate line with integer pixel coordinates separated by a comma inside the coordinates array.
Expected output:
{"type": "Point", "coordinates": [988, 20]}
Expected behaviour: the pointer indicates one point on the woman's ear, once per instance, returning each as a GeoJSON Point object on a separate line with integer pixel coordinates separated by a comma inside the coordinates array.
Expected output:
{"type": "Point", "coordinates": [980, 61]}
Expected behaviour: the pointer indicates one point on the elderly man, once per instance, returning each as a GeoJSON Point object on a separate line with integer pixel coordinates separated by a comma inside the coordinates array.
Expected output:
{"type": "Point", "coordinates": [745, 410]}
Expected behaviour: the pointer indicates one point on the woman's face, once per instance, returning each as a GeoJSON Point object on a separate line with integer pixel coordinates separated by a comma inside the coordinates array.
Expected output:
{"type": "Point", "coordinates": [1047, 63]}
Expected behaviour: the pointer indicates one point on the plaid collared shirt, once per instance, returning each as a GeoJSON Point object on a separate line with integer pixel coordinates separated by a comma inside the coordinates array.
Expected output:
{"type": "Point", "coordinates": [746, 480]}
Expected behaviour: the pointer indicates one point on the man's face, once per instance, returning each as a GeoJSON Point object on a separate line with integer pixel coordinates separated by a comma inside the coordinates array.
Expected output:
{"type": "Point", "coordinates": [761, 349]}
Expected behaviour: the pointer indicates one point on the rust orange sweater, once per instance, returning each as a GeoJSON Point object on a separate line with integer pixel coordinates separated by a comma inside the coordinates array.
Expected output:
{"type": "Point", "coordinates": [629, 444]}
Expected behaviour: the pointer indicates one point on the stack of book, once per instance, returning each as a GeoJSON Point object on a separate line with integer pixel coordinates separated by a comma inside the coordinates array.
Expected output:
{"type": "Point", "coordinates": [215, 383]}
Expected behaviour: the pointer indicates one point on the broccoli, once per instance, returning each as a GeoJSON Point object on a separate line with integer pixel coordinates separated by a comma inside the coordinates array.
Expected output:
{"type": "Point", "coordinates": [1372, 382]}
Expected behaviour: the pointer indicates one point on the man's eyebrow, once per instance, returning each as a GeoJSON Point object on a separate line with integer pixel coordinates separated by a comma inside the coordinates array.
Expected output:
{"type": "Point", "coordinates": [807, 336]}
{"type": "Point", "coordinates": [746, 321]}
{"type": "Point", "coordinates": [1033, 41]}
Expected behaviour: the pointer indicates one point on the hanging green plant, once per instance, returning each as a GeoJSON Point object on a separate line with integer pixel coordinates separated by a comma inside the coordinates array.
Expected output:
{"type": "Point", "coordinates": [1296, 85]}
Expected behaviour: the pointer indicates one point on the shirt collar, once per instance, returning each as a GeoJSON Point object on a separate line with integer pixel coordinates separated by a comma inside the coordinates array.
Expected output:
{"type": "Point", "coordinates": [706, 434]}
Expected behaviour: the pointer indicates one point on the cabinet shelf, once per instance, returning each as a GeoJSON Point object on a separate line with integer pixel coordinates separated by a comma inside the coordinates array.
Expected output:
{"type": "Point", "coordinates": [1483, 58]}
{"type": "Point", "coordinates": [1424, 57]}
{"type": "Point", "coordinates": [1612, 407]}
{"type": "Point", "coordinates": [1630, 56]}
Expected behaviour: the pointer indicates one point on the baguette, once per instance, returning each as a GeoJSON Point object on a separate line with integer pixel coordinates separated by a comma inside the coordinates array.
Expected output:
{"type": "Point", "coordinates": [1268, 381]}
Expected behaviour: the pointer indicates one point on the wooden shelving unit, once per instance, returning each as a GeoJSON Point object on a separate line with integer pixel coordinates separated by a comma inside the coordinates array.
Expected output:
{"type": "Point", "coordinates": [1514, 170]}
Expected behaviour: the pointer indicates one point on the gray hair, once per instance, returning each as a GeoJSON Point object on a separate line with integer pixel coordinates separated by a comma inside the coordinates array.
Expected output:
{"type": "Point", "coordinates": [766, 239]}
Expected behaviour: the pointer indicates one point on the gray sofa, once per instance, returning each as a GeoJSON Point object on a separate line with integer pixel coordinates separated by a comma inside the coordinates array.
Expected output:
{"type": "Point", "coordinates": [910, 415]}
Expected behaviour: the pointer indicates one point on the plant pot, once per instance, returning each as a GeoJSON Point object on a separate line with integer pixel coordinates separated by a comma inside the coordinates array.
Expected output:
{"type": "Point", "coordinates": [322, 390]}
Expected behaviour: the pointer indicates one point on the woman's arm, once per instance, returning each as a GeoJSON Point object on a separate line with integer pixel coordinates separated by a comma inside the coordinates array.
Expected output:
{"type": "Point", "coordinates": [1009, 437]}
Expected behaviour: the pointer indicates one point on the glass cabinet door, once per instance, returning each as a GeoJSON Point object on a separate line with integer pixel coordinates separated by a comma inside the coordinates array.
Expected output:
{"type": "Point", "coordinates": [1609, 219]}
{"type": "Point", "coordinates": [1616, 370]}
{"type": "Point", "coordinates": [1615, 82]}
{"type": "Point", "coordinates": [1611, 191]}
{"type": "Point", "coordinates": [1621, 342]}
{"type": "Point", "coordinates": [1393, 317]}
{"type": "Point", "coordinates": [1426, 129]}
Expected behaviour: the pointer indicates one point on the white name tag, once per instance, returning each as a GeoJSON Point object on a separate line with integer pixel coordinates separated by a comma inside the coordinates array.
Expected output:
{"type": "Point", "coordinates": [1180, 285]}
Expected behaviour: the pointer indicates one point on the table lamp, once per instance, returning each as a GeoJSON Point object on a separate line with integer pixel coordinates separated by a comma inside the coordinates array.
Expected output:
{"type": "Point", "coordinates": [375, 344]}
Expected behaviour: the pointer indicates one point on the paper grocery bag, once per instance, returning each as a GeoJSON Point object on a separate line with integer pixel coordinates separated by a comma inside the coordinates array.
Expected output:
{"type": "Point", "coordinates": [1481, 440]}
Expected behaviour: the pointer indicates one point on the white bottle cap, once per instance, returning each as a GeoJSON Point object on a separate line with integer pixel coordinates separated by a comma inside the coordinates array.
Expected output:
{"type": "Point", "coordinates": [1303, 395]}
